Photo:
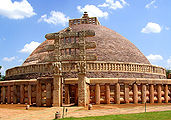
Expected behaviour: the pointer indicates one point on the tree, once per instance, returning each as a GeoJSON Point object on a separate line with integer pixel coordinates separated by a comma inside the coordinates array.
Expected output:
{"type": "Point", "coordinates": [168, 72]}
{"type": "Point", "coordinates": [2, 77]}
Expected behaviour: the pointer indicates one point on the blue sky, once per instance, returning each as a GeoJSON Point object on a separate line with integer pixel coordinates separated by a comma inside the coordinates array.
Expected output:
{"type": "Point", "coordinates": [24, 23]}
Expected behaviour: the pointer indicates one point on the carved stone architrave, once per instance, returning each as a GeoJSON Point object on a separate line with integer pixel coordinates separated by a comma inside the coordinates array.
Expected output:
{"type": "Point", "coordinates": [57, 68]}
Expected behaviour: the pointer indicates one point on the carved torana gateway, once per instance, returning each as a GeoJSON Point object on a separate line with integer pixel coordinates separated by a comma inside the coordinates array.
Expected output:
{"type": "Point", "coordinates": [82, 64]}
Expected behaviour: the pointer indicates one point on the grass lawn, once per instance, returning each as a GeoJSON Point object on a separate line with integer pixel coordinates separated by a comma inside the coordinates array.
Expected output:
{"type": "Point", "coordinates": [164, 115]}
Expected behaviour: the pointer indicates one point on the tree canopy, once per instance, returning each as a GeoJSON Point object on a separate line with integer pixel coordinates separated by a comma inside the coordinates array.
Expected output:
{"type": "Point", "coordinates": [168, 72]}
{"type": "Point", "coordinates": [2, 77]}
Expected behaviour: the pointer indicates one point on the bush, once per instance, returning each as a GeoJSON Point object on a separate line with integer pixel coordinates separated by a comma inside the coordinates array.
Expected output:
{"type": "Point", "coordinates": [168, 72]}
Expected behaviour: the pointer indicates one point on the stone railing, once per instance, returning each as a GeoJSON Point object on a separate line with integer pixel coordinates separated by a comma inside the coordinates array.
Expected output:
{"type": "Point", "coordinates": [95, 66]}
{"type": "Point", "coordinates": [92, 20]}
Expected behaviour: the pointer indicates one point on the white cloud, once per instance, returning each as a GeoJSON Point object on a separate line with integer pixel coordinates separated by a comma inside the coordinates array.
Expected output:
{"type": "Point", "coordinates": [28, 48]}
{"type": "Point", "coordinates": [154, 58]}
{"type": "Point", "coordinates": [93, 11]}
{"type": "Point", "coordinates": [9, 59]}
{"type": "Point", "coordinates": [56, 18]}
{"type": "Point", "coordinates": [151, 4]}
{"type": "Point", "coordinates": [151, 28]}
{"type": "Point", "coordinates": [114, 4]}
{"type": "Point", "coordinates": [16, 10]}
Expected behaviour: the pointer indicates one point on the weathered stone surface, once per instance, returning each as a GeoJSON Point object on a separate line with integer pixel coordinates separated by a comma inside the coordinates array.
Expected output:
{"type": "Point", "coordinates": [48, 94]}
{"type": "Point", "coordinates": [143, 93]}
{"type": "Point", "coordinates": [97, 93]}
{"type": "Point", "coordinates": [67, 95]}
{"type": "Point", "coordinates": [29, 94]}
{"type": "Point", "coordinates": [21, 94]}
{"type": "Point", "coordinates": [82, 91]}
{"type": "Point", "coordinates": [126, 93]}
{"type": "Point", "coordinates": [39, 93]}
{"type": "Point", "coordinates": [108, 42]}
{"type": "Point", "coordinates": [159, 99]}
{"type": "Point", "coordinates": [57, 91]}
{"type": "Point", "coordinates": [117, 93]}
{"type": "Point", "coordinates": [135, 93]}
{"type": "Point", "coordinates": [107, 93]}
{"type": "Point", "coordinates": [166, 93]}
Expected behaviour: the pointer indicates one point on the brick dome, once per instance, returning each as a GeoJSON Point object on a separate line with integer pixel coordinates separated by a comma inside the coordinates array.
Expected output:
{"type": "Point", "coordinates": [111, 46]}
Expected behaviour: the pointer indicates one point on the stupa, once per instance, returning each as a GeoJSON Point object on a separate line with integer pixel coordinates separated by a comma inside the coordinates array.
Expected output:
{"type": "Point", "coordinates": [82, 64]}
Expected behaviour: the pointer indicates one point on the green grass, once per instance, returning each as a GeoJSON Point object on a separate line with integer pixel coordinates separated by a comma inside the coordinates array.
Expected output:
{"type": "Point", "coordinates": [164, 115]}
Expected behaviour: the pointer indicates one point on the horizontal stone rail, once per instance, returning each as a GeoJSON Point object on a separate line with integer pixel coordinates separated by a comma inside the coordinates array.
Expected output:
{"type": "Point", "coordinates": [120, 80]}
{"type": "Point", "coordinates": [95, 66]}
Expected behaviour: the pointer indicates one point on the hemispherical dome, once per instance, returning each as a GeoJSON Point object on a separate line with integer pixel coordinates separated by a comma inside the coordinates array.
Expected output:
{"type": "Point", "coordinates": [111, 46]}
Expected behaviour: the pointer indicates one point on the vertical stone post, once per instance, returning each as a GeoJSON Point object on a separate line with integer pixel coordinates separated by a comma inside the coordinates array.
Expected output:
{"type": "Point", "coordinates": [14, 94]}
{"type": "Point", "coordinates": [21, 94]}
{"type": "Point", "coordinates": [67, 95]}
{"type": "Point", "coordinates": [3, 94]}
{"type": "Point", "coordinates": [9, 94]}
{"type": "Point", "coordinates": [57, 90]}
{"type": "Point", "coordinates": [61, 88]}
{"type": "Point", "coordinates": [159, 94]}
{"type": "Point", "coordinates": [82, 92]}
{"type": "Point", "coordinates": [76, 95]}
{"type": "Point", "coordinates": [166, 93]}
{"type": "Point", "coordinates": [107, 95]}
{"type": "Point", "coordinates": [117, 93]}
{"type": "Point", "coordinates": [38, 93]}
{"type": "Point", "coordinates": [88, 94]}
{"type": "Point", "coordinates": [151, 93]}
{"type": "Point", "coordinates": [135, 93]}
{"type": "Point", "coordinates": [29, 94]}
{"type": "Point", "coordinates": [143, 93]}
{"type": "Point", "coordinates": [97, 93]}
{"type": "Point", "coordinates": [48, 94]}
{"type": "Point", "coordinates": [126, 93]}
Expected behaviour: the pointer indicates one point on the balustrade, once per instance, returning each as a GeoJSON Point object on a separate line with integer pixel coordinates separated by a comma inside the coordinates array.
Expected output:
{"type": "Point", "coordinates": [91, 66]}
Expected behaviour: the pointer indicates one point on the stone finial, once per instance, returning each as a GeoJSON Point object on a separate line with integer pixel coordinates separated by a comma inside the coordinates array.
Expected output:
{"type": "Point", "coordinates": [85, 15]}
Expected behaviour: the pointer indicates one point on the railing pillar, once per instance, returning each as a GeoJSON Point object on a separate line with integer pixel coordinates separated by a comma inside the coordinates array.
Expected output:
{"type": "Point", "coordinates": [97, 93]}
{"type": "Point", "coordinates": [143, 93]}
{"type": "Point", "coordinates": [117, 93]}
{"type": "Point", "coordinates": [14, 94]}
{"type": "Point", "coordinates": [166, 93]}
{"type": "Point", "coordinates": [126, 93]}
{"type": "Point", "coordinates": [29, 94]}
{"type": "Point", "coordinates": [135, 93]}
{"type": "Point", "coordinates": [9, 94]}
{"type": "Point", "coordinates": [48, 94]}
{"type": "Point", "coordinates": [21, 94]}
{"type": "Point", "coordinates": [159, 94]}
{"type": "Point", "coordinates": [67, 96]}
{"type": "Point", "coordinates": [38, 93]}
{"type": "Point", "coordinates": [107, 95]}
{"type": "Point", "coordinates": [3, 95]}
{"type": "Point", "coordinates": [151, 93]}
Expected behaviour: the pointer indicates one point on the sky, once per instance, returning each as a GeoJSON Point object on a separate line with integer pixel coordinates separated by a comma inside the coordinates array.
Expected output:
{"type": "Point", "coordinates": [24, 23]}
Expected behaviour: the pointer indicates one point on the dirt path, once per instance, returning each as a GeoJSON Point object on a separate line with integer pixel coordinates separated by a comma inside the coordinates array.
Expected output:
{"type": "Point", "coordinates": [18, 112]}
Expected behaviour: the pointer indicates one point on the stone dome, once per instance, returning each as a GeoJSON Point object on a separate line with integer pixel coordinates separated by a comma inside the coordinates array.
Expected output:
{"type": "Point", "coordinates": [111, 46]}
